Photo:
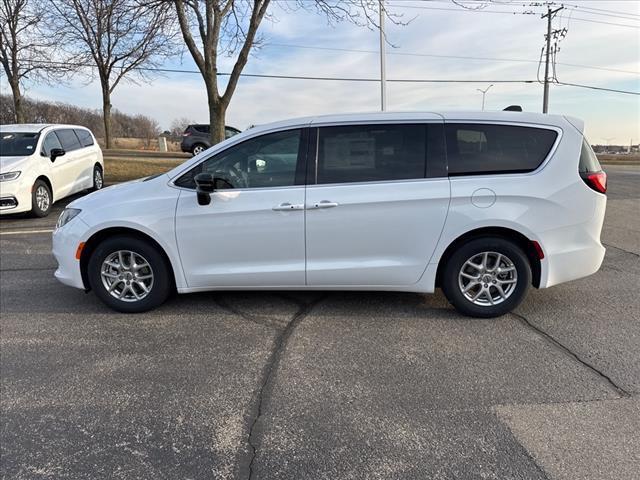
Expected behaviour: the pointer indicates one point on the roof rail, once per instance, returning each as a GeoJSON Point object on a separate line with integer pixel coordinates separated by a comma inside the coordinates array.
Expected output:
{"type": "Point", "coordinates": [513, 108]}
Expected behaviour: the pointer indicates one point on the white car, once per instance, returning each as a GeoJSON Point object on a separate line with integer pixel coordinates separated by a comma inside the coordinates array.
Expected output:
{"type": "Point", "coordinates": [482, 205]}
{"type": "Point", "coordinates": [40, 164]}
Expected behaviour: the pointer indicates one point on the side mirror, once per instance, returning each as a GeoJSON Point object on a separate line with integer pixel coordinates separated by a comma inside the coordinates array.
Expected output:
{"type": "Point", "coordinates": [55, 153]}
{"type": "Point", "coordinates": [205, 186]}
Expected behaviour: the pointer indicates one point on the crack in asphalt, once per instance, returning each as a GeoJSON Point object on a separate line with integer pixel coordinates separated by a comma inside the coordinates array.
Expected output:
{"type": "Point", "coordinates": [619, 390]}
{"type": "Point", "coordinates": [269, 371]}
{"type": "Point", "coordinates": [621, 249]}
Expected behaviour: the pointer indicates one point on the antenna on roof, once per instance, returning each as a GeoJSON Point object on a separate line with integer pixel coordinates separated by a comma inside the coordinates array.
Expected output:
{"type": "Point", "coordinates": [513, 108]}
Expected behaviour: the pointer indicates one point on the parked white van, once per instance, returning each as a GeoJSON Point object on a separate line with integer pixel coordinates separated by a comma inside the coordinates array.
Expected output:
{"type": "Point", "coordinates": [482, 204]}
{"type": "Point", "coordinates": [40, 164]}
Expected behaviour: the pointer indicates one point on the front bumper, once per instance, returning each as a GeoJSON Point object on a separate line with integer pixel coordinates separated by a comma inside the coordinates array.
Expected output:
{"type": "Point", "coordinates": [65, 245]}
{"type": "Point", "coordinates": [15, 197]}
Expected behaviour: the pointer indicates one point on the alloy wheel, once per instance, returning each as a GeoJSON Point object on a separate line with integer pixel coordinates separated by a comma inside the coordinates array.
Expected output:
{"type": "Point", "coordinates": [43, 201]}
{"type": "Point", "coordinates": [97, 179]}
{"type": "Point", "coordinates": [488, 278]}
{"type": "Point", "coordinates": [127, 276]}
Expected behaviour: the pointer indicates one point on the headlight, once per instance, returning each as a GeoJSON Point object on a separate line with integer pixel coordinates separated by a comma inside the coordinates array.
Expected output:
{"type": "Point", "coordinates": [66, 216]}
{"type": "Point", "coordinates": [5, 177]}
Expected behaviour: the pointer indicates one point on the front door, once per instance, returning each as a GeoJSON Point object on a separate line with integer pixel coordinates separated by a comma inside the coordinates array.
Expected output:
{"type": "Point", "coordinates": [252, 232]}
{"type": "Point", "coordinates": [376, 205]}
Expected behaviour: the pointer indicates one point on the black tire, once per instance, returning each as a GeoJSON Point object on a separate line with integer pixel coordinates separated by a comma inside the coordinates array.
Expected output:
{"type": "Point", "coordinates": [160, 288]}
{"type": "Point", "coordinates": [451, 283]}
{"type": "Point", "coordinates": [98, 178]}
{"type": "Point", "coordinates": [198, 146]}
{"type": "Point", "coordinates": [40, 188]}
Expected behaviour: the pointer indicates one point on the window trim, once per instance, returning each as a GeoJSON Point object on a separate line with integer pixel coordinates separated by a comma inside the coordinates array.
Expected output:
{"type": "Point", "coordinates": [518, 173]}
{"type": "Point", "coordinates": [60, 140]}
{"type": "Point", "coordinates": [312, 178]}
{"type": "Point", "coordinates": [299, 175]}
{"type": "Point", "coordinates": [90, 134]}
{"type": "Point", "coordinates": [44, 137]}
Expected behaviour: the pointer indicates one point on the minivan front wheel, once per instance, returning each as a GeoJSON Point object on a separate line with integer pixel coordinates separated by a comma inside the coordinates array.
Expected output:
{"type": "Point", "coordinates": [486, 277]}
{"type": "Point", "coordinates": [129, 274]}
{"type": "Point", "coordinates": [41, 199]}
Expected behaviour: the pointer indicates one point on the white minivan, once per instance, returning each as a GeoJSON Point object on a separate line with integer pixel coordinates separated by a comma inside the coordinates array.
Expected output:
{"type": "Point", "coordinates": [481, 204]}
{"type": "Point", "coordinates": [40, 164]}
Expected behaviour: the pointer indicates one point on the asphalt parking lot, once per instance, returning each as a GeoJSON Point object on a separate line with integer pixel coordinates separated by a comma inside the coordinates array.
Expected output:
{"type": "Point", "coordinates": [322, 385]}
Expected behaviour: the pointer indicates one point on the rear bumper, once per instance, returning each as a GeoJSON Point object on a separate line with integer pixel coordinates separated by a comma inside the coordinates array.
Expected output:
{"type": "Point", "coordinates": [65, 245]}
{"type": "Point", "coordinates": [574, 252]}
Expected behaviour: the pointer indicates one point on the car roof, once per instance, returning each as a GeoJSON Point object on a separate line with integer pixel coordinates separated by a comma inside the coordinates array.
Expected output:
{"type": "Point", "coordinates": [381, 117]}
{"type": "Point", "coordinates": [34, 127]}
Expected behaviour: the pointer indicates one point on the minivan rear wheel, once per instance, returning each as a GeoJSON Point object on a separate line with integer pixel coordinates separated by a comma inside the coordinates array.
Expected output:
{"type": "Point", "coordinates": [486, 277]}
{"type": "Point", "coordinates": [129, 274]}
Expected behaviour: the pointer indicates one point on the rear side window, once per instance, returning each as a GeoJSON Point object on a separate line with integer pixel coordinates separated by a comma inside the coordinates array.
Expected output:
{"type": "Point", "coordinates": [588, 161]}
{"type": "Point", "coordinates": [483, 148]}
{"type": "Point", "coordinates": [50, 142]}
{"type": "Point", "coordinates": [86, 139]}
{"type": "Point", "coordinates": [201, 128]}
{"type": "Point", "coordinates": [68, 139]}
{"type": "Point", "coordinates": [365, 153]}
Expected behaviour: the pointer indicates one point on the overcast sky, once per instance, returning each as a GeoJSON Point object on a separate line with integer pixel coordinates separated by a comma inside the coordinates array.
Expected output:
{"type": "Point", "coordinates": [451, 32]}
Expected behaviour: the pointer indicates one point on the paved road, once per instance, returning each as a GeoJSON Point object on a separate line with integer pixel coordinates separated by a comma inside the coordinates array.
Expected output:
{"type": "Point", "coordinates": [322, 385]}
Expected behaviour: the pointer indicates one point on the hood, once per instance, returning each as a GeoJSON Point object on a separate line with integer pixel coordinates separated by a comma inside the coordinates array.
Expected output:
{"type": "Point", "coordinates": [114, 194]}
{"type": "Point", "coordinates": [11, 164]}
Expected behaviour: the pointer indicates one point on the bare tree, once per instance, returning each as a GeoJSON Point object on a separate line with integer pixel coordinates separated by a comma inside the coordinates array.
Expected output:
{"type": "Point", "coordinates": [118, 38]}
{"type": "Point", "coordinates": [211, 28]}
{"type": "Point", "coordinates": [26, 51]}
{"type": "Point", "coordinates": [179, 125]}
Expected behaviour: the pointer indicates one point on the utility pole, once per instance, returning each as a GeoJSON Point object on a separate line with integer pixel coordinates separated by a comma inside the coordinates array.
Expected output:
{"type": "Point", "coordinates": [549, 16]}
{"type": "Point", "coordinates": [484, 92]}
{"type": "Point", "coordinates": [383, 69]}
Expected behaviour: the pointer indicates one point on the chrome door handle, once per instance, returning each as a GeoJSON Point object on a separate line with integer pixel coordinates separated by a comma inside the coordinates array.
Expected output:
{"type": "Point", "coordinates": [288, 206]}
{"type": "Point", "coordinates": [324, 204]}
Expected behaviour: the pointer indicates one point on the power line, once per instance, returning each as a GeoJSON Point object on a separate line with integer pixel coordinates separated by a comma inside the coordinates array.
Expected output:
{"type": "Point", "coordinates": [347, 79]}
{"type": "Point", "coordinates": [528, 12]}
{"type": "Point", "coordinates": [459, 57]}
{"type": "Point", "coordinates": [591, 87]}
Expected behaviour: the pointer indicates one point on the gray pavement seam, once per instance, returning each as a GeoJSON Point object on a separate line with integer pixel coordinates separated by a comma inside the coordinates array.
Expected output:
{"type": "Point", "coordinates": [34, 269]}
{"type": "Point", "coordinates": [250, 318]}
{"type": "Point", "coordinates": [621, 249]}
{"type": "Point", "coordinates": [269, 371]}
{"type": "Point", "coordinates": [563, 348]}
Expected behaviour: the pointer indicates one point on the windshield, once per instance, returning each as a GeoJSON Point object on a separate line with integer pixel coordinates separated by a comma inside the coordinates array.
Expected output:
{"type": "Point", "coordinates": [18, 144]}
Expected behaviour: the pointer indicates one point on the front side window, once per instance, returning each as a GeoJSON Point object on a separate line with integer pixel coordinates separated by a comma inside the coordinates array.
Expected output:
{"type": "Point", "coordinates": [50, 142]}
{"type": "Point", "coordinates": [267, 161]}
{"type": "Point", "coordinates": [18, 144]}
{"type": "Point", "coordinates": [483, 148]}
{"type": "Point", "coordinates": [86, 139]}
{"type": "Point", "coordinates": [68, 139]}
{"type": "Point", "coordinates": [366, 153]}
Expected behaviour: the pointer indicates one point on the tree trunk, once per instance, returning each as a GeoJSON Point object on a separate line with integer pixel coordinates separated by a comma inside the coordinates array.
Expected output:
{"type": "Point", "coordinates": [217, 113]}
{"type": "Point", "coordinates": [106, 116]}
{"type": "Point", "coordinates": [18, 106]}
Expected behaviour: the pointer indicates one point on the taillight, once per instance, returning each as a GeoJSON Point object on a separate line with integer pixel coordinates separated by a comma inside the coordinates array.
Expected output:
{"type": "Point", "coordinates": [597, 181]}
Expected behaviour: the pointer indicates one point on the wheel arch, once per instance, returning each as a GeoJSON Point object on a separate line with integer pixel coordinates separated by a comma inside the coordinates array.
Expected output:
{"type": "Point", "coordinates": [95, 239]}
{"type": "Point", "coordinates": [526, 244]}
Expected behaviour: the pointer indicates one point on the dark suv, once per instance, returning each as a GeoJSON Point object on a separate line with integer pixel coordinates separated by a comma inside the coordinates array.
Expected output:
{"type": "Point", "coordinates": [195, 138]}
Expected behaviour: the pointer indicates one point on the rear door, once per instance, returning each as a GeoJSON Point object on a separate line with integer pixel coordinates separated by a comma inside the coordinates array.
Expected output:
{"type": "Point", "coordinates": [376, 203]}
